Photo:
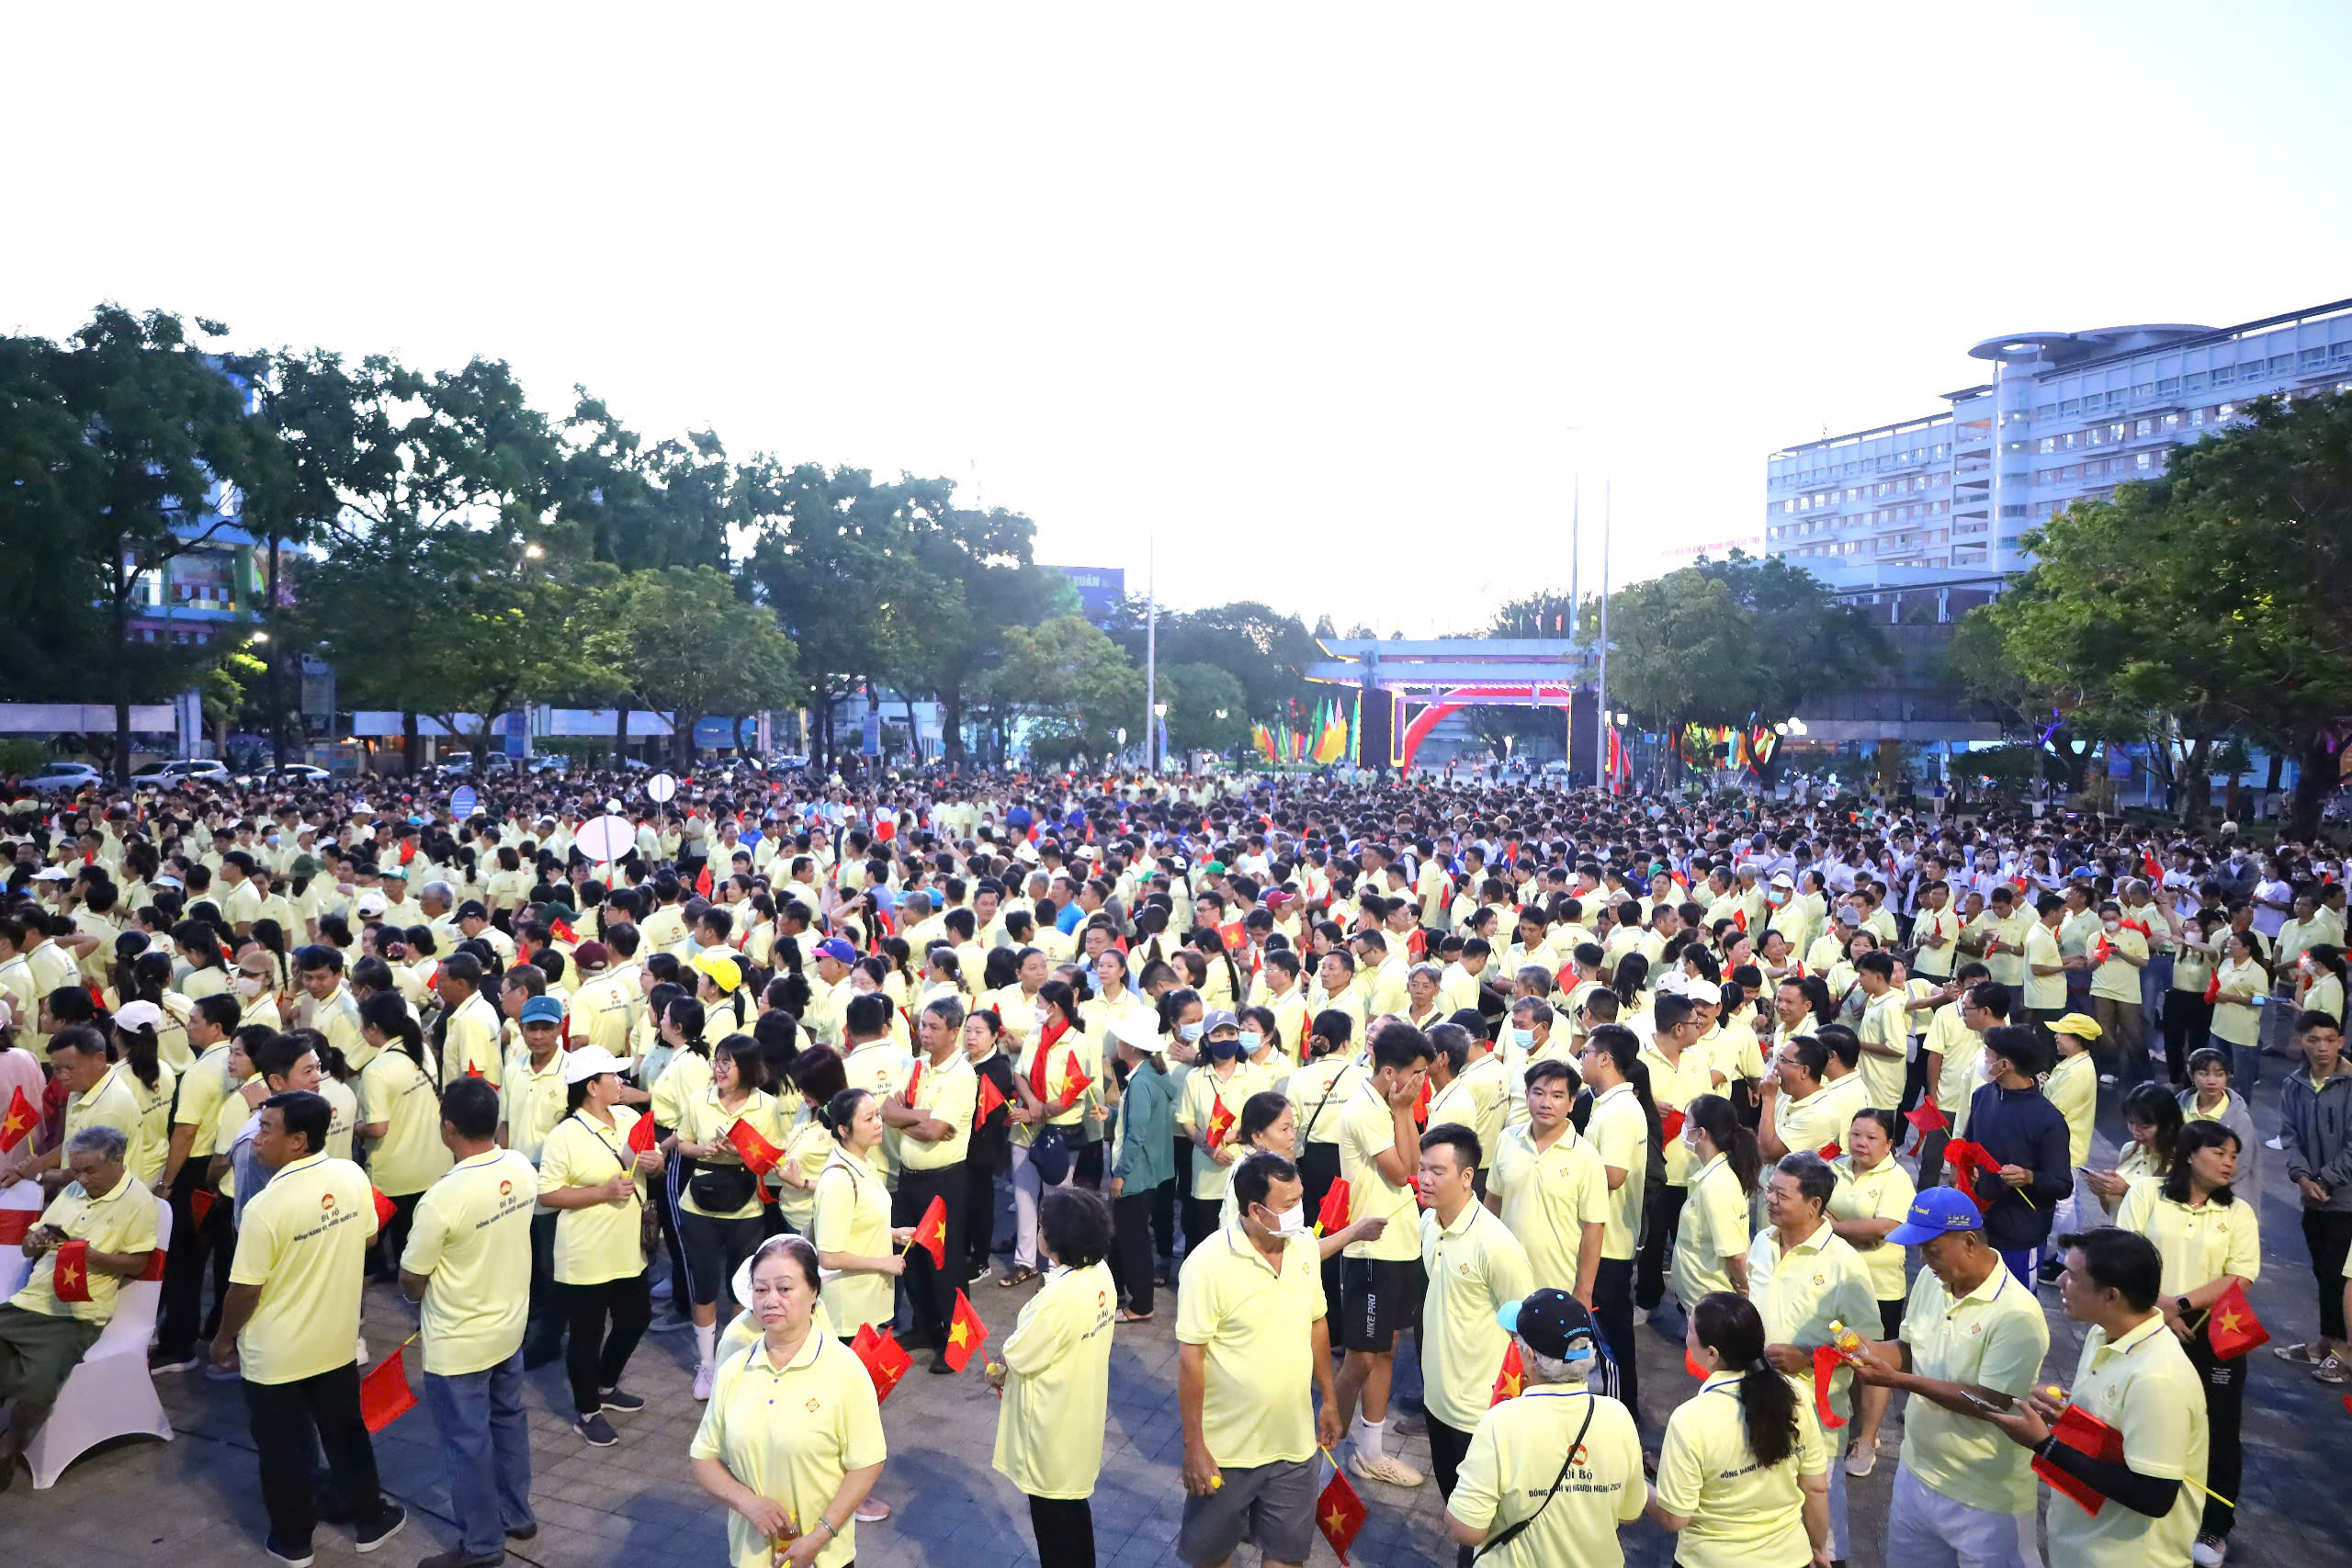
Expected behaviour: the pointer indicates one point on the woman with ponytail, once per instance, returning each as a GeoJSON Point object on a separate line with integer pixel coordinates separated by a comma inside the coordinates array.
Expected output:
{"type": "Point", "coordinates": [149, 1080]}
{"type": "Point", "coordinates": [400, 1115]}
{"type": "Point", "coordinates": [1743, 1476]}
{"type": "Point", "coordinates": [1710, 1245]}
{"type": "Point", "coordinates": [207, 967]}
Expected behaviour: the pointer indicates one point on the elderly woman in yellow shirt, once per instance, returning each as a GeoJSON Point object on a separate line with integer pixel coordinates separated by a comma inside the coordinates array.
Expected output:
{"type": "Point", "coordinates": [1055, 1378]}
{"type": "Point", "coordinates": [1874, 1195]}
{"type": "Point", "coordinates": [791, 1441]}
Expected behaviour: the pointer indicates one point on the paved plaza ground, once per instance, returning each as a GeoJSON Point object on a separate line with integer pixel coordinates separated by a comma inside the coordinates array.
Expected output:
{"type": "Point", "coordinates": [192, 1502]}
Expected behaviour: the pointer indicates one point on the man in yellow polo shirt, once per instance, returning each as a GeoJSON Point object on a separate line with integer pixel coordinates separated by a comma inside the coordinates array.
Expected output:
{"type": "Point", "coordinates": [1474, 1266]}
{"type": "Point", "coordinates": [290, 1321]}
{"type": "Point", "coordinates": [1381, 1279]}
{"type": "Point", "coordinates": [470, 1040]}
{"type": "Point", "coordinates": [1252, 1349]}
{"type": "Point", "coordinates": [468, 1262]}
{"type": "Point", "coordinates": [98, 1095]}
{"type": "Point", "coordinates": [100, 1231]}
{"type": "Point", "coordinates": [1972, 1337]}
{"type": "Point", "coordinates": [932, 1114]}
{"type": "Point", "coordinates": [1621, 1135]}
{"type": "Point", "coordinates": [2135, 1376]}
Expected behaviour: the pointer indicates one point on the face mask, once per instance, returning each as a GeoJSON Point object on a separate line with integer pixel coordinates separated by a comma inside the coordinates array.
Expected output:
{"type": "Point", "coordinates": [1251, 1040]}
{"type": "Point", "coordinates": [1224, 1050]}
{"type": "Point", "coordinates": [1189, 1032]}
{"type": "Point", "coordinates": [1292, 1220]}
{"type": "Point", "coordinates": [249, 985]}
{"type": "Point", "coordinates": [1522, 1038]}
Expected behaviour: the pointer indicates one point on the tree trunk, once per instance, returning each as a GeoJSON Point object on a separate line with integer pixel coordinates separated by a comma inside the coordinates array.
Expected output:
{"type": "Point", "coordinates": [270, 666]}
{"type": "Point", "coordinates": [682, 739]}
{"type": "Point", "coordinates": [412, 744]}
{"type": "Point", "coordinates": [951, 728]}
{"type": "Point", "coordinates": [2277, 772]}
{"type": "Point", "coordinates": [119, 658]}
{"type": "Point", "coordinates": [620, 736]}
{"type": "Point", "coordinates": [2316, 772]}
{"type": "Point", "coordinates": [914, 731]}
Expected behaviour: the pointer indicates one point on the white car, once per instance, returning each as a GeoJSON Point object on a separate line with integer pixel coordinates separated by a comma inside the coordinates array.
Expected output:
{"type": "Point", "coordinates": [62, 778]}
{"type": "Point", "coordinates": [210, 768]}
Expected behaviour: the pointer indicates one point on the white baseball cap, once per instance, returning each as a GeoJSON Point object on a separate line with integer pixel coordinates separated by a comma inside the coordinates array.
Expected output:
{"type": "Point", "coordinates": [588, 1062]}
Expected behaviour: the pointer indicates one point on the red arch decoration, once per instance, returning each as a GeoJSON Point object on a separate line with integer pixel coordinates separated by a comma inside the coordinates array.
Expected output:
{"type": "Point", "coordinates": [1459, 697]}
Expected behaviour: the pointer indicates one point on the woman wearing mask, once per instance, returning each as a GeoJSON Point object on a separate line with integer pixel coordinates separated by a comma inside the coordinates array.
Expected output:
{"type": "Point", "coordinates": [1049, 1082]}
{"type": "Point", "coordinates": [1874, 1195]}
{"type": "Point", "coordinates": [2319, 981]}
{"type": "Point", "coordinates": [1743, 1476]}
{"type": "Point", "coordinates": [255, 989]}
{"type": "Point", "coordinates": [2188, 1012]}
{"type": "Point", "coordinates": [2210, 1241]}
{"type": "Point", "coordinates": [1214, 1093]}
{"type": "Point", "coordinates": [1055, 1380]}
{"type": "Point", "coordinates": [791, 1441]}
{"type": "Point", "coordinates": [1141, 1164]}
{"type": "Point", "coordinates": [1710, 1244]}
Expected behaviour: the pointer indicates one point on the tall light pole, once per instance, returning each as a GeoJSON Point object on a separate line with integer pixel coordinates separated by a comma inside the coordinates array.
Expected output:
{"type": "Point", "coordinates": [1602, 730]}
{"type": "Point", "coordinates": [1151, 654]}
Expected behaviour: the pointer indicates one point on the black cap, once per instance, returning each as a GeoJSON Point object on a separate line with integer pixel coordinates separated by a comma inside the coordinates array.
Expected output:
{"type": "Point", "coordinates": [1549, 1320]}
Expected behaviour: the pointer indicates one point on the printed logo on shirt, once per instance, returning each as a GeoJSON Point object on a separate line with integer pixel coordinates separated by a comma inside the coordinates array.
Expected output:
{"type": "Point", "coordinates": [326, 1202]}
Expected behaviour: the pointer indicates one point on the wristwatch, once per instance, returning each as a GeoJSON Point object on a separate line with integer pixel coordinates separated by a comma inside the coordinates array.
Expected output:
{"type": "Point", "coordinates": [2180, 1304]}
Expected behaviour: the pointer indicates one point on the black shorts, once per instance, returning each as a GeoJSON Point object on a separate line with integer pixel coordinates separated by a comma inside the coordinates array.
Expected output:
{"type": "Point", "coordinates": [1381, 1298]}
{"type": "Point", "coordinates": [714, 1249]}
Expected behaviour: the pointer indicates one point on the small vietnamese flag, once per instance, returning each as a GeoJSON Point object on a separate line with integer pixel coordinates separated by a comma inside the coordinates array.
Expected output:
{"type": "Point", "coordinates": [991, 1097]}
{"type": "Point", "coordinates": [1340, 1514]}
{"type": "Point", "coordinates": [1508, 1381]}
{"type": "Point", "coordinates": [965, 1333]}
{"type": "Point", "coordinates": [914, 1081]}
{"type": "Point", "coordinates": [1831, 1150]}
{"type": "Point", "coordinates": [2099, 953]}
{"type": "Point", "coordinates": [155, 1270]}
{"type": "Point", "coordinates": [2154, 867]}
{"type": "Point", "coordinates": [702, 882]}
{"type": "Point", "coordinates": [1739, 920]}
{"type": "Point", "coordinates": [1421, 1105]}
{"type": "Point", "coordinates": [2213, 987]}
{"type": "Point", "coordinates": [885, 1363]}
{"type": "Point", "coordinates": [641, 1134]}
{"type": "Point", "coordinates": [384, 1395]}
{"type": "Point", "coordinates": [1333, 1215]}
{"type": "Point", "coordinates": [1220, 1123]}
{"type": "Point", "coordinates": [1928, 1118]}
{"type": "Point", "coordinates": [199, 1204]}
{"type": "Point", "coordinates": [2231, 1326]}
{"type": "Point", "coordinates": [759, 1155]}
{"type": "Point", "coordinates": [18, 1124]}
{"type": "Point", "coordinates": [14, 1225]}
{"type": "Point", "coordinates": [71, 1279]}
{"type": "Point", "coordinates": [1669, 1124]}
{"type": "Point", "coordinates": [1826, 1359]}
{"type": "Point", "coordinates": [383, 1207]}
{"type": "Point", "coordinates": [931, 1235]}
{"type": "Point", "coordinates": [562, 931]}
{"type": "Point", "coordinates": [1074, 1083]}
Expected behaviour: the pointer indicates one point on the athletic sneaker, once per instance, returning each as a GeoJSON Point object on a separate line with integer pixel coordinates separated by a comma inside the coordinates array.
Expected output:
{"type": "Point", "coordinates": [182, 1361]}
{"type": "Point", "coordinates": [2209, 1550]}
{"type": "Point", "coordinates": [703, 1375]}
{"type": "Point", "coordinates": [277, 1552]}
{"type": "Point", "coordinates": [1860, 1461]}
{"type": "Point", "coordinates": [669, 1323]}
{"type": "Point", "coordinates": [1387, 1468]}
{"type": "Point", "coordinates": [595, 1431]}
{"type": "Point", "coordinates": [620, 1399]}
{"type": "Point", "coordinates": [388, 1525]}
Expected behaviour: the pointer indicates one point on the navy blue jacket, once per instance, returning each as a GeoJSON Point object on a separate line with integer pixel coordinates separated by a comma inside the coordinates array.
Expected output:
{"type": "Point", "coordinates": [2020, 1126]}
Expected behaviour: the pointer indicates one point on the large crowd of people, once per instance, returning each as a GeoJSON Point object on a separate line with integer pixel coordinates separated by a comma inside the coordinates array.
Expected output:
{"type": "Point", "coordinates": [1395, 1086]}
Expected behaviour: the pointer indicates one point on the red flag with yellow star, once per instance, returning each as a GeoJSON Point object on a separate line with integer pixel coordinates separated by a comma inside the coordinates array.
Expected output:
{"type": "Point", "coordinates": [991, 1097]}
{"type": "Point", "coordinates": [1340, 1514]}
{"type": "Point", "coordinates": [931, 1234]}
{"type": "Point", "coordinates": [1510, 1379]}
{"type": "Point", "coordinates": [885, 1362]}
{"type": "Point", "coordinates": [1421, 1105]}
{"type": "Point", "coordinates": [1333, 1215]}
{"type": "Point", "coordinates": [759, 1155]}
{"type": "Point", "coordinates": [18, 1124]}
{"type": "Point", "coordinates": [1220, 1122]}
{"type": "Point", "coordinates": [384, 1393]}
{"type": "Point", "coordinates": [1074, 1083]}
{"type": "Point", "coordinates": [14, 1225]}
{"type": "Point", "coordinates": [2232, 1329]}
{"type": "Point", "coordinates": [965, 1333]}
{"type": "Point", "coordinates": [71, 1279]}
{"type": "Point", "coordinates": [384, 1210]}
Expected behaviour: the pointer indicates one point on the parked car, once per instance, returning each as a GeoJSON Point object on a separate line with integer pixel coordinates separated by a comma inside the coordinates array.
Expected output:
{"type": "Point", "coordinates": [208, 768]}
{"type": "Point", "coordinates": [293, 775]}
{"type": "Point", "coordinates": [62, 778]}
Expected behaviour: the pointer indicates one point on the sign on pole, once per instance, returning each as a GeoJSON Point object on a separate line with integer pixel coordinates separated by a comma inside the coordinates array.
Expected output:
{"type": "Point", "coordinates": [606, 839]}
{"type": "Point", "coordinates": [660, 788]}
{"type": "Point", "coordinates": [463, 804]}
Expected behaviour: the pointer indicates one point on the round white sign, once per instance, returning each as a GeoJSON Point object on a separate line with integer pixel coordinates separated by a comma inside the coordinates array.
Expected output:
{"type": "Point", "coordinates": [660, 787]}
{"type": "Point", "coordinates": [606, 839]}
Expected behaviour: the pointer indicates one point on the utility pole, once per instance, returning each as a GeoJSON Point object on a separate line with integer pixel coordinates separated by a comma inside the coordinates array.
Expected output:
{"type": "Point", "coordinates": [1151, 656]}
{"type": "Point", "coordinates": [1607, 727]}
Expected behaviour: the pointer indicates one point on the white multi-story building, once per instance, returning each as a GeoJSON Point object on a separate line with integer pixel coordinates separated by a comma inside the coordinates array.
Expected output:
{"type": "Point", "coordinates": [2066, 415]}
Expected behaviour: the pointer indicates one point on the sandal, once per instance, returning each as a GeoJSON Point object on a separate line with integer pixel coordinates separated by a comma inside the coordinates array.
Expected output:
{"type": "Point", "coordinates": [2302, 1355]}
{"type": "Point", "coordinates": [1021, 1274]}
{"type": "Point", "coordinates": [1127, 1316]}
{"type": "Point", "coordinates": [2333, 1372]}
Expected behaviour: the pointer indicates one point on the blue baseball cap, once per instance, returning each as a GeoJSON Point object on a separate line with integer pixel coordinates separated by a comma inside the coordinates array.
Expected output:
{"type": "Point", "coordinates": [1939, 1211]}
{"type": "Point", "coordinates": [542, 1010]}
{"type": "Point", "coordinates": [837, 950]}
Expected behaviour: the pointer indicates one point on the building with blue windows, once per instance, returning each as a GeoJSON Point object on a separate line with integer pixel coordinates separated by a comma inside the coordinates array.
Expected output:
{"type": "Point", "coordinates": [2066, 415]}
{"type": "Point", "coordinates": [1099, 588]}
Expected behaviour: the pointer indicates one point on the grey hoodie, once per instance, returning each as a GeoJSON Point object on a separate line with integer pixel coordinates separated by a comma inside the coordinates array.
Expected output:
{"type": "Point", "coordinates": [2316, 1127]}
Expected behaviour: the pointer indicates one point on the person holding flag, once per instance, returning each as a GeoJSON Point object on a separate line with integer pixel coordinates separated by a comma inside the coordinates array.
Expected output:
{"type": "Point", "coordinates": [725, 1131]}
{"type": "Point", "coordinates": [1210, 1116]}
{"type": "Point", "coordinates": [1550, 1476]}
{"type": "Point", "coordinates": [100, 1230]}
{"type": "Point", "coordinates": [2210, 1242]}
{"type": "Point", "coordinates": [1050, 1080]}
{"type": "Point", "coordinates": [1474, 1267]}
{"type": "Point", "coordinates": [290, 1325]}
{"type": "Point", "coordinates": [592, 1171]}
{"type": "Point", "coordinates": [933, 1114]}
{"type": "Point", "coordinates": [1055, 1378]}
{"type": "Point", "coordinates": [468, 1262]}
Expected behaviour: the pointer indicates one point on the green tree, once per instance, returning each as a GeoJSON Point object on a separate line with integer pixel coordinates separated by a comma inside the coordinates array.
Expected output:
{"type": "Point", "coordinates": [686, 642]}
{"type": "Point", "coordinates": [1071, 684]}
{"type": "Point", "coordinates": [646, 507]}
{"type": "Point", "coordinates": [127, 446]}
{"type": "Point", "coordinates": [971, 578]}
{"type": "Point", "coordinates": [1268, 652]}
{"type": "Point", "coordinates": [1196, 695]}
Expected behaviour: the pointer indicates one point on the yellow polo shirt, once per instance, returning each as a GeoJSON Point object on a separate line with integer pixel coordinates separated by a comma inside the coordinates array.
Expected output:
{"type": "Point", "coordinates": [1620, 1135]}
{"type": "Point", "coordinates": [1366, 1127]}
{"type": "Point", "coordinates": [703, 1120]}
{"type": "Point", "coordinates": [1057, 1385]}
{"type": "Point", "coordinates": [605, 1010]}
{"type": "Point", "coordinates": [790, 1434]}
{"type": "Point", "coordinates": [1995, 1336]}
{"type": "Point", "coordinates": [949, 1094]}
{"type": "Point", "coordinates": [1885, 1022]}
{"type": "Point", "coordinates": [471, 1234]}
{"type": "Point", "coordinates": [1202, 1094]}
{"type": "Point", "coordinates": [2072, 1087]}
{"type": "Point", "coordinates": [2114, 979]}
{"type": "Point", "coordinates": [1713, 1228]}
{"type": "Point", "coordinates": [806, 1152]}
{"type": "Point", "coordinates": [851, 1215]}
{"type": "Point", "coordinates": [1473, 1266]}
{"type": "Point", "coordinates": [110, 1102]}
{"type": "Point", "coordinates": [2145, 1387]}
{"type": "Point", "coordinates": [1883, 1192]}
{"type": "Point", "coordinates": [1810, 1123]}
{"type": "Point", "coordinates": [303, 1239]}
{"type": "Point", "coordinates": [154, 1142]}
{"type": "Point", "coordinates": [410, 1156]}
{"type": "Point", "coordinates": [599, 1243]}
{"type": "Point", "coordinates": [1318, 1093]}
{"type": "Point", "coordinates": [2198, 1245]}
{"type": "Point", "coordinates": [1935, 962]}
{"type": "Point", "coordinates": [471, 1043]}
{"type": "Point", "coordinates": [1548, 1197]}
{"type": "Point", "coordinates": [1742, 1515]}
{"type": "Point", "coordinates": [1800, 1293]}
{"type": "Point", "coordinates": [201, 1088]}
{"type": "Point", "coordinates": [531, 1102]}
{"type": "Point", "coordinates": [1514, 1458]}
{"type": "Point", "coordinates": [1258, 1394]}
{"type": "Point", "coordinates": [122, 1221]}
{"type": "Point", "coordinates": [1673, 1085]}
{"type": "Point", "coordinates": [2041, 948]}
{"type": "Point", "coordinates": [337, 1018]}
{"type": "Point", "coordinates": [1960, 1051]}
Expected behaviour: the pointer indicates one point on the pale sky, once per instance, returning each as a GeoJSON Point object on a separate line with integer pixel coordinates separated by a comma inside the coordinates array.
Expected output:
{"type": "Point", "coordinates": [1336, 299]}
